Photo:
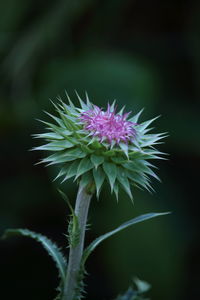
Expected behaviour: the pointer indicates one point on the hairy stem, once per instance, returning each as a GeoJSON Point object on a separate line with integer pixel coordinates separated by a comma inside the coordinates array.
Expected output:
{"type": "Point", "coordinates": [75, 253]}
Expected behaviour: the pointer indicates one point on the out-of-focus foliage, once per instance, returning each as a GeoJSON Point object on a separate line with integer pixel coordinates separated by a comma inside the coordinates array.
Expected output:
{"type": "Point", "coordinates": [144, 54]}
{"type": "Point", "coordinates": [140, 288]}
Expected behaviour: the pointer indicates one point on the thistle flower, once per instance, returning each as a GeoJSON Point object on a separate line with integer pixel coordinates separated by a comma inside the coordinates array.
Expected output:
{"type": "Point", "coordinates": [108, 125]}
{"type": "Point", "coordinates": [95, 146]}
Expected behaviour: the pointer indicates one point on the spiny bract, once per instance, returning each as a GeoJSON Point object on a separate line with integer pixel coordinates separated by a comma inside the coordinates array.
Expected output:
{"type": "Point", "coordinates": [95, 146]}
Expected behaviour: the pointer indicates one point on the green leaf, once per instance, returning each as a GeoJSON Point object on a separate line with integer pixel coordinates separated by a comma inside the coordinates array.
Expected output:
{"type": "Point", "coordinates": [48, 245]}
{"type": "Point", "coordinates": [58, 120]}
{"type": "Point", "coordinates": [121, 111]}
{"type": "Point", "coordinates": [135, 118]}
{"type": "Point", "coordinates": [122, 178]}
{"type": "Point", "coordinates": [112, 107]}
{"type": "Point", "coordinates": [124, 148]}
{"type": "Point", "coordinates": [57, 159]}
{"type": "Point", "coordinates": [111, 172]}
{"type": "Point", "coordinates": [69, 100]}
{"type": "Point", "coordinates": [108, 153]}
{"type": "Point", "coordinates": [139, 178]}
{"type": "Point", "coordinates": [99, 177]}
{"type": "Point", "coordinates": [83, 105]}
{"type": "Point", "coordinates": [59, 130]}
{"type": "Point", "coordinates": [136, 166]}
{"type": "Point", "coordinates": [130, 294]}
{"type": "Point", "coordinates": [140, 166]}
{"type": "Point", "coordinates": [142, 286]}
{"type": "Point", "coordinates": [55, 146]}
{"type": "Point", "coordinates": [123, 226]}
{"type": "Point", "coordinates": [62, 172]}
{"type": "Point", "coordinates": [65, 156]}
{"type": "Point", "coordinates": [118, 160]}
{"type": "Point", "coordinates": [86, 149]}
{"type": "Point", "coordinates": [89, 105]}
{"type": "Point", "coordinates": [145, 124]}
{"type": "Point", "coordinates": [96, 160]}
{"type": "Point", "coordinates": [48, 136]}
{"type": "Point", "coordinates": [116, 190]}
{"type": "Point", "coordinates": [84, 166]}
{"type": "Point", "coordinates": [72, 170]}
{"type": "Point", "coordinates": [77, 152]}
{"type": "Point", "coordinates": [152, 139]}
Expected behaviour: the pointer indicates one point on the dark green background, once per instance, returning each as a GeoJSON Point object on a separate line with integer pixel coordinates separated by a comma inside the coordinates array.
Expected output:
{"type": "Point", "coordinates": [144, 54]}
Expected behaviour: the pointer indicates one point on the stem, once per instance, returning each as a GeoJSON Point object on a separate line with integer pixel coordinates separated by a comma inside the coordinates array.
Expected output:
{"type": "Point", "coordinates": [75, 253]}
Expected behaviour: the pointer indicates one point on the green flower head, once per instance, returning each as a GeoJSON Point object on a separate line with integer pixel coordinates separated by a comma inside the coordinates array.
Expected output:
{"type": "Point", "coordinates": [94, 146]}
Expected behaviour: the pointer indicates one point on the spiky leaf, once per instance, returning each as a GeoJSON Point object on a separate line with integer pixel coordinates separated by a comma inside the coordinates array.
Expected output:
{"type": "Point", "coordinates": [99, 177]}
{"type": "Point", "coordinates": [123, 226]}
{"type": "Point", "coordinates": [97, 160]}
{"type": "Point", "coordinates": [123, 179]}
{"type": "Point", "coordinates": [111, 172]}
{"type": "Point", "coordinates": [84, 166]}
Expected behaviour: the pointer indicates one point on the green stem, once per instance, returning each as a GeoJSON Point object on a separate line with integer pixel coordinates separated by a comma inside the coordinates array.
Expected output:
{"type": "Point", "coordinates": [75, 253]}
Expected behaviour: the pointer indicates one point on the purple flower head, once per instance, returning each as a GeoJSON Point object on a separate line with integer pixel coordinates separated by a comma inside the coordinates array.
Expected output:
{"type": "Point", "coordinates": [109, 126]}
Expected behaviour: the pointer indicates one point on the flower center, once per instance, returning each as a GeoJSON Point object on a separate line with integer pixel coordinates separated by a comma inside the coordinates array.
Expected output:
{"type": "Point", "coordinates": [108, 125]}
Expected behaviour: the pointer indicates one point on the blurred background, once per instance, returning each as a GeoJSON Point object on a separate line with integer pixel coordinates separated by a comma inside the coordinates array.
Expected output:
{"type": "Point", "coordinates": [144, 54]}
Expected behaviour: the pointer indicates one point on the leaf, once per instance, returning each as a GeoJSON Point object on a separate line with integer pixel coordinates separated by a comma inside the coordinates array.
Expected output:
{"type": "Point", "coordinates": [55, 146]}
{"type": "Point", "coordinates": [99, 177]}
{"type": "Point", "coordinates": [118, 160]}
{"type": "Point", "coordinates": [137, 165]}
{"type": "Point", "coordinates": [65, 156]}
{"type": "Point", "coordinates": [69, 100]}
{"type": "Point", "coordinates": [130, 294]}
{"type": "Point", "coordinates": [96, 160]}
{"type": "Point", "coordinates": [116, 190]}
{"type": "Point", "coordinates": [124, 148]}
{"type": "Point", "coordinates": [135, 118]}
{"type": "Point", "coordinates": [145, 124]}
{"type": "Point", "coordinates": [72, 170]}
{"type": "Point", "coordinates": [57, 159]}
{"type": "Point", "coordinates": [84, 166]}
{"type": "Point", "coordinates": [112, 107]}
{"type": "Point", "coordinates": [122, 178]}
{"type": "Point", "coordinates": [48, 136]}
{"type": "Point", "coordinates": [48, 245]}
{"type": "Point", "coordinates": [136, 294]}
{"type": "Point", "coordinates": [139, 179]}
{"type": "Point", "coordinates": [111, 172]}
{"type": "Point", "coordinates": [77, 152]}
{"type": "Point", "coordinates": [88, 101]}
{"type": "Point", "coordinates": [59, 130]}
{"type": "Point", "coordinates": [142, 286]}
{"type": "Point", "coordinates": [152, 139]}
{"type": "Point", "coordinates": [121, 111]}
{"type": "Point", "coordinates": [86, 149]}
{"type": "Point", "coordinates": [62, 172]}
{"type": "Point", "coordinates": [127, 224]}
{"type": "Point", "coordinates": [109, 153]}
{"type": "Point", "coordinates": [83, 105]}
{"type": "Point", "coordinates": [58, 120]}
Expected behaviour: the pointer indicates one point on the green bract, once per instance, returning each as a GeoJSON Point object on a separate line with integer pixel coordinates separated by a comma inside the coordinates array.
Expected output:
{"type": "Point", "coordinates": [92, 161]}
